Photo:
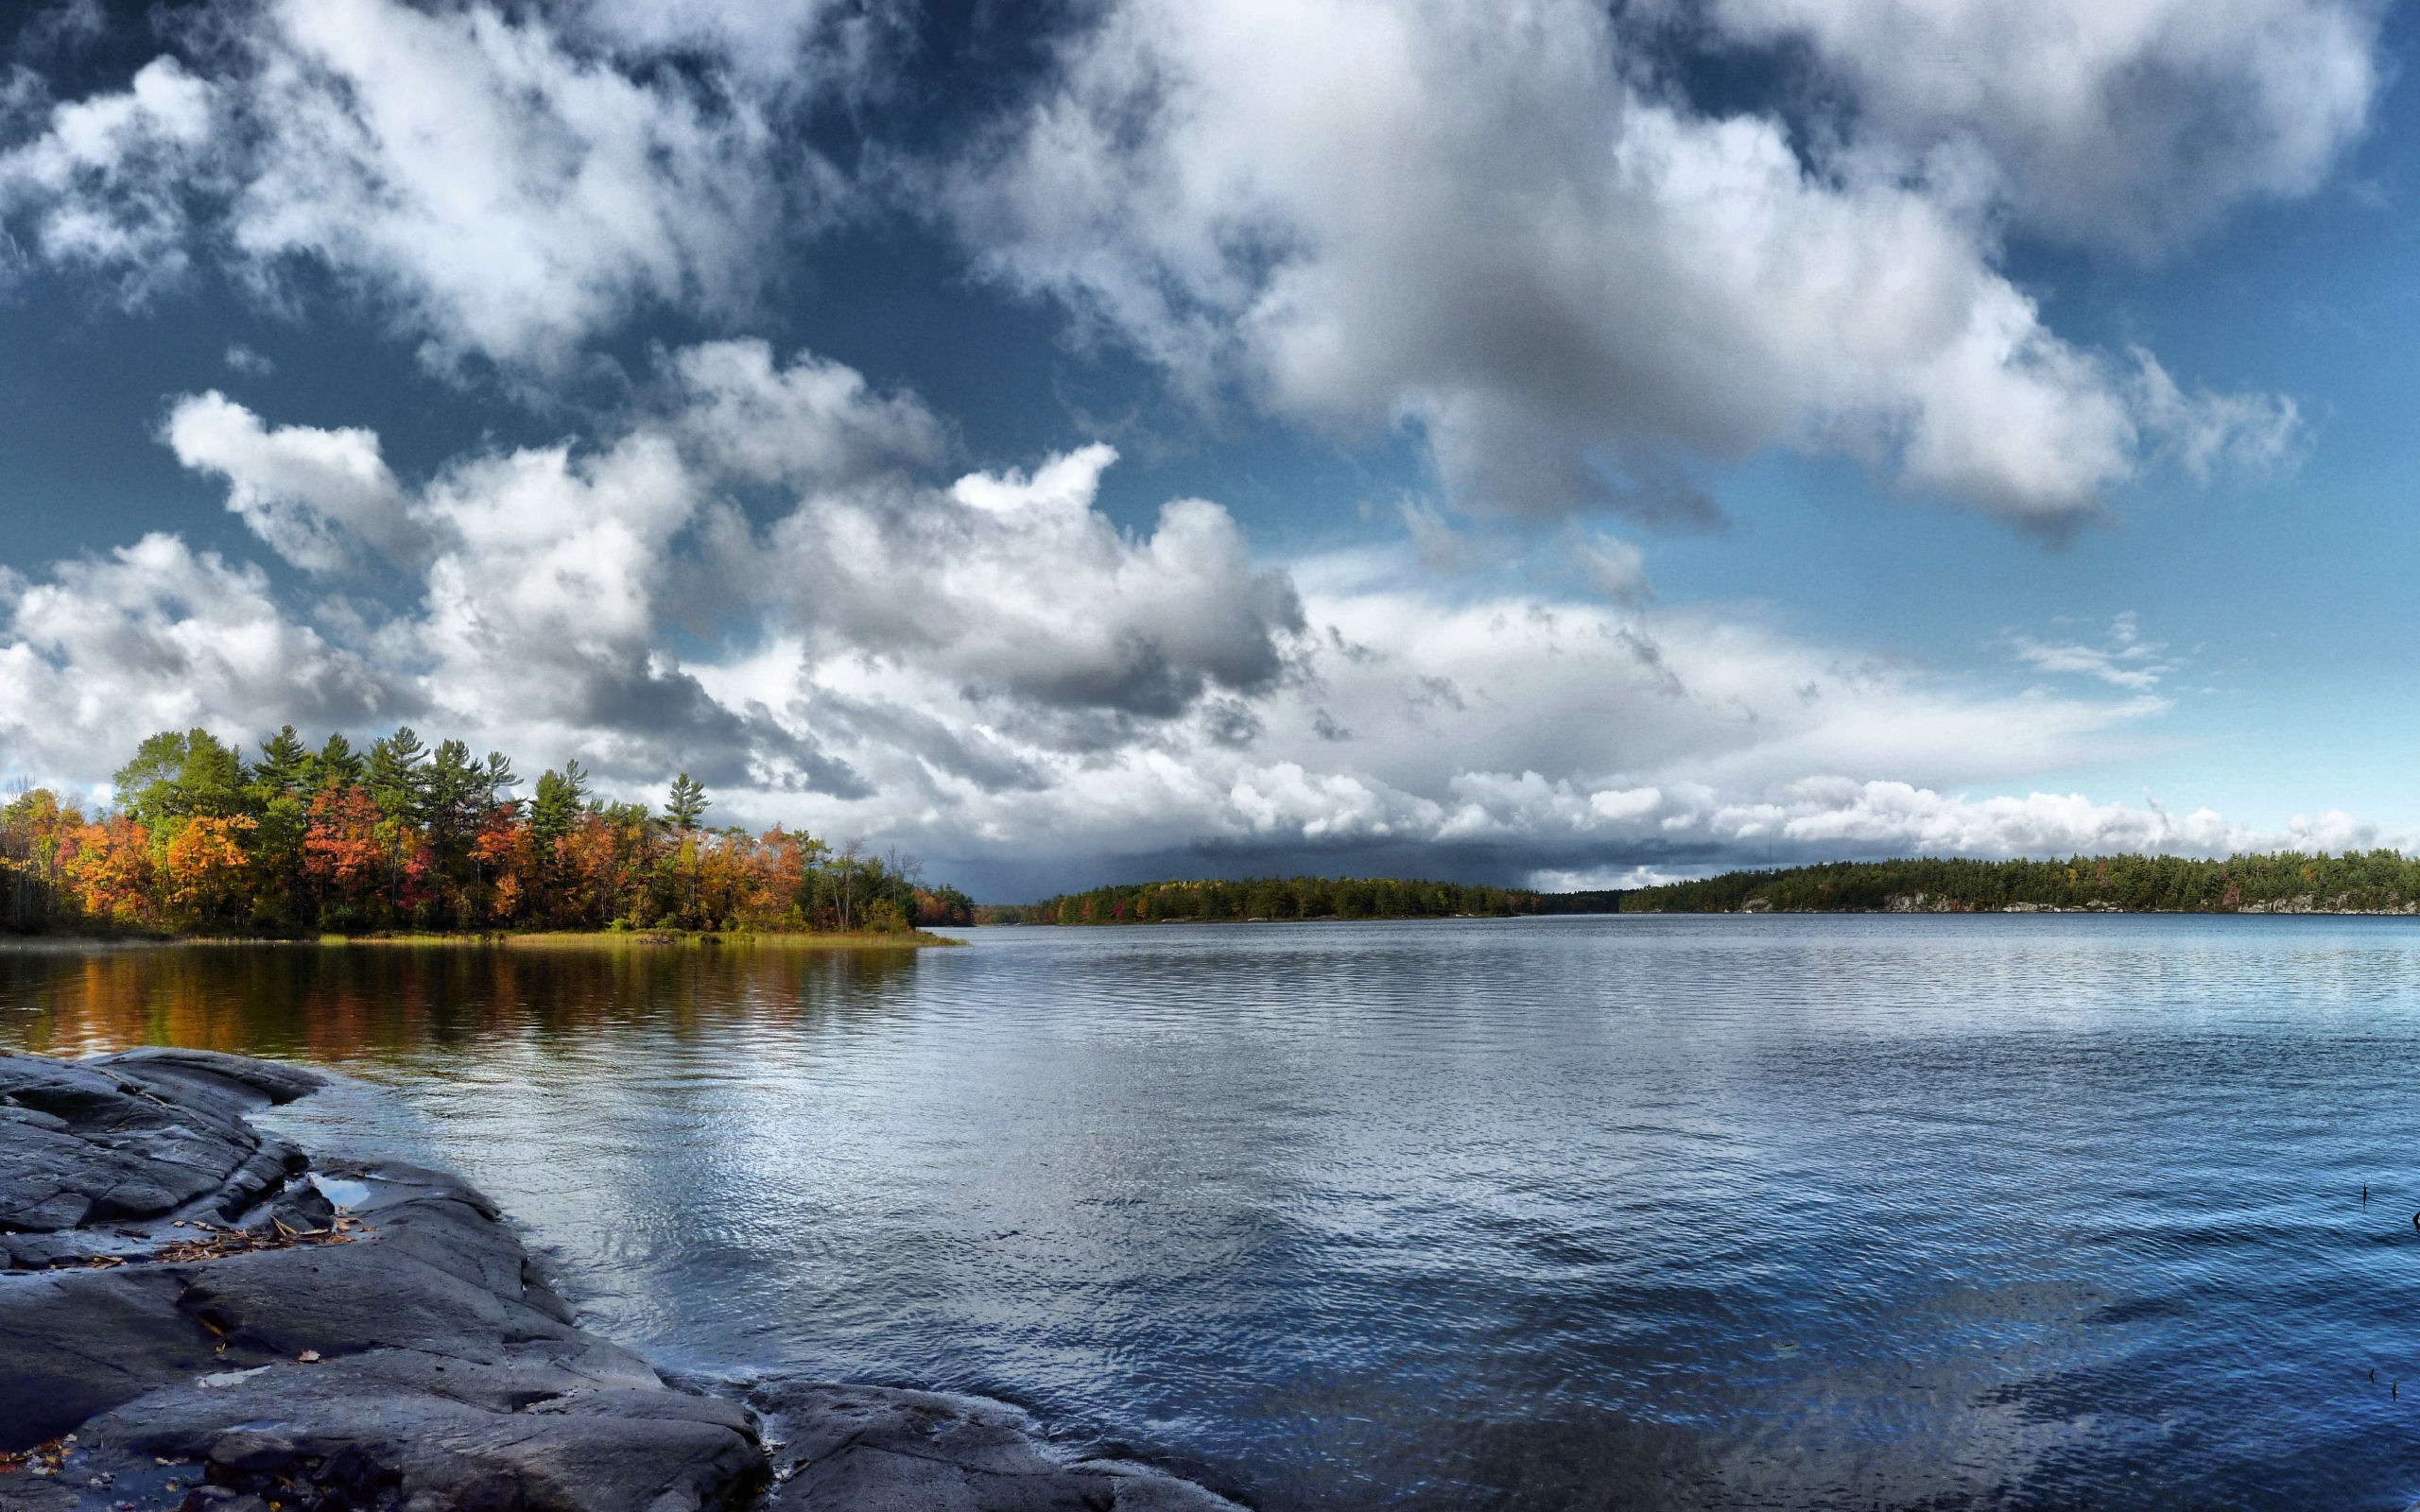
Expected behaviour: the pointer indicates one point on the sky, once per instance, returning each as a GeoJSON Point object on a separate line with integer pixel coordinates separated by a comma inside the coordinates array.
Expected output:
{"type": "Point", "coordinates": [1531, 442]}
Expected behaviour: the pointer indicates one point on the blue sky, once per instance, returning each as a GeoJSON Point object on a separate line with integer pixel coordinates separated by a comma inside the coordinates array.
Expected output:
{"type": "Point", "coordinates": [1551, 441]}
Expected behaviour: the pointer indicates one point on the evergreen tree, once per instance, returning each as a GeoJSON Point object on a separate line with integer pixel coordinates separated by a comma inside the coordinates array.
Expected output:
{"type": "Point", "coordinates": [687, 804]}
{"type": "Point", "coordinates": [335, 764]}
{"type": "Point", "coordinates": [452, 787]}
{"type": "Point", "coordinates": [495, 778]}
{"type": "Point", "coordinates": [557, 806]}
{"type": "Point", "coordinates": [284, 760]}
{"type": "Point", "coordinates": [395, 775]}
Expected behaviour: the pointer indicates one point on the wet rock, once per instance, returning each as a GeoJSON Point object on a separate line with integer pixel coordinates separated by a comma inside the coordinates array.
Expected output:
{"type": "Point", "coordinates": [76, 1343]}
{"type": "Point", "coordinates": [134, 1135]}
{"type": "Point", "coordinates": [871, 1449]}
{"type": "Point", "coordinates": [439, 1434]}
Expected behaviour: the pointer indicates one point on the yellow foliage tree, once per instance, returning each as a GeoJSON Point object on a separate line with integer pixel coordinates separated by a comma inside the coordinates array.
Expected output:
{"type": "Point", "coordinates": [206, 863]}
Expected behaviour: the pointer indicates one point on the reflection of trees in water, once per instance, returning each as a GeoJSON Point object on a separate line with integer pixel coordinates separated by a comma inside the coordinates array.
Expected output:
{"type": "Point", "coordinates": [372, 1003]}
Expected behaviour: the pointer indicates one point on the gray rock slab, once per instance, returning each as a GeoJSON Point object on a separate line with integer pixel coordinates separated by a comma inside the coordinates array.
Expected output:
{"type": "Point", "coordinates": [446, 1436]}
{"type": "Point", "coordinates": [874, 1448]}
{"type": "Point", "coordinates": [134, 1135]}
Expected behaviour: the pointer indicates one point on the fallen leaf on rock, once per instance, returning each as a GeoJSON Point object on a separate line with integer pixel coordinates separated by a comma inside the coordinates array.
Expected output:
{"type": "Point", "coordinates": [44, 1458]}
{"type": "Point", "coordinates": [221, 1243]}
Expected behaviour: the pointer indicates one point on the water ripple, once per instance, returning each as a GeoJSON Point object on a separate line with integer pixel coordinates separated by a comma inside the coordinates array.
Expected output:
{"type": "Point", "coordinates": [1797, 1212]}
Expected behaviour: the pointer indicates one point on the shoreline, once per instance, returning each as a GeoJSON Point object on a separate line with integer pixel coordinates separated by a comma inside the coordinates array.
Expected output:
{"type": "Point", "coordinates": [532, 939]}
{"type": "Point", "coordinates": [200, 1316]}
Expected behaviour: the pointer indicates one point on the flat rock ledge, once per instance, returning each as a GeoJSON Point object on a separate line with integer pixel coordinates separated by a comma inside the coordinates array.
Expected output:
{"type": "Point", "coordinates": [190, 1321]}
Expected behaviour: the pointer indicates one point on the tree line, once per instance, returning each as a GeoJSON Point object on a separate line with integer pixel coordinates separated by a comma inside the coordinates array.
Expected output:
{"type": "Point", "coordinates": [1267, 898]}
{"type": "Point", "coordinates": [308, 839]}
{"type": "Point", "coordinates": [2375, 881]}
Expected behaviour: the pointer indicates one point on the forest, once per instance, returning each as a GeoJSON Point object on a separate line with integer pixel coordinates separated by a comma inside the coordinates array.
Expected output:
{"type": "Point", "coordinates": [1267, 898]}
{"type": "Point", "coordinates": [306, 840]}
{"type": "Point", "coordinates": [2285, 881]}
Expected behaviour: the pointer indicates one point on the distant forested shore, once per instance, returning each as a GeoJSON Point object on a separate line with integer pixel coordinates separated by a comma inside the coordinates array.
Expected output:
{"type": "Point", "coordinates": [1282, 898]}
{"type": "Point", "coordinates": [2287, 881]}
{"type": "Point", "coordinates": [401, 837]}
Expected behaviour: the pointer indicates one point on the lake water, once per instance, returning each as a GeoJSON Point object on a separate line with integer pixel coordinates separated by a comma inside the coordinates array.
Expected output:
{"type": "Point", "coordinates": [1873, 1213]}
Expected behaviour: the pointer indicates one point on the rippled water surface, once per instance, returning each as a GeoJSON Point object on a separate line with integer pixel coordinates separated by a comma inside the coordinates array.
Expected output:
{"type": "Point", "coordinates": [1617, 1212]}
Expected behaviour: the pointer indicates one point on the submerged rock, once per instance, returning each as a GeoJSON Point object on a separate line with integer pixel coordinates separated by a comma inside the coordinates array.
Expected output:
{"type": "Point", "coordinates": [187, 1322]}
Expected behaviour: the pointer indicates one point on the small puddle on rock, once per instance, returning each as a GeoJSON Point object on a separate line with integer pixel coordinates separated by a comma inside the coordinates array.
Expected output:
{"type": "Point", "coordinates": [342, 1193]}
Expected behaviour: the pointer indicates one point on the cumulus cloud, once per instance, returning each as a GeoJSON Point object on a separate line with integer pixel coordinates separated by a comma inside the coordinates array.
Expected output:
{"type": "Point", "coordinates": [311, 494]}
{"type": "Point", "coordinates": [803, 46]}
{"type": "Point", "coordinates": [500, 187]}
{"type": "Point", "coordinates": [1473, 221]}
{"type": "Point", "coordinates": [1833, 817]}
{"type": "Point", "coordinates": [585, 596]}
{"type": "Point", "coordinates": [1612, 566]}
{"type": "Point", "coordinates": [812, 420]}
{"type": "Point", "coordinates": [156, 636]}
{"type": "Point", "coordinates": [1014, 585]}
{"type": "Point", "coordinates": [2130, 124]}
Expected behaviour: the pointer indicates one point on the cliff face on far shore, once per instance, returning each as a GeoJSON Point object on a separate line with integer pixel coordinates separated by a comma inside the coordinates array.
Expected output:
{"type": "Point", "coordinates": [198, 1315]}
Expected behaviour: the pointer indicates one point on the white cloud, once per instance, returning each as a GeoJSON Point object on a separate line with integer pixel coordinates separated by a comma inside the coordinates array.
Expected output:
{"type": "Point", "coordinates": [104, 185]}
{"type": "Point", "coordinates": [156, 636]}
{"type": "Point", "coordinates": [511, 197]}
{"type": "Point", "coordinates": [1511, 725]}
{"type": "Point", "coordinates": [2125, 659]}
{"type": "Point", "coordinates": [2207, 433]}
{"type": "Point", "coordinates": [494, 184]}
{"type": "Point", "coordinates": [548, 582]}
{"type": "Point", "coordinates": [1612, 566]}
{"type": "Point", "coordinates": [1366, 212]}
{"type": "Point", "coordinates": [811, 421]}
{"type": "Point", "coordinates": [309, 493]}
{"type": "Point", "coordinates": [1014, 585]}
{"type": "Point", "coordinates": [2125, 123]}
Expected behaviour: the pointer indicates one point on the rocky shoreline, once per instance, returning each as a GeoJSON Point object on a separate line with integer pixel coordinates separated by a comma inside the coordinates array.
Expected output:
{"type": "Point", "coordinates": [199, 1315]}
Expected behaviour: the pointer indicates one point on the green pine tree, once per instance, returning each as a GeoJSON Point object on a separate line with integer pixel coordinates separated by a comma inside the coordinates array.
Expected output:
{"type": "Point", "coordinates": [686, 805]}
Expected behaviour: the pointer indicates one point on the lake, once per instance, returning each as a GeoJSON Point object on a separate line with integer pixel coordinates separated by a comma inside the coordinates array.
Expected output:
{"type": "Point", "coordinates": [1862, 1211]}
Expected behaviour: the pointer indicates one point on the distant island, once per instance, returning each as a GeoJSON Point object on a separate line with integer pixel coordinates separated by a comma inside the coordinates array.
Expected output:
{"type": "Point", "coordinates": [2287, 881]}
{"type": "Point", "coordinates": [1272, 899]}
{"type": "Point", "coordinates": [401, 838]}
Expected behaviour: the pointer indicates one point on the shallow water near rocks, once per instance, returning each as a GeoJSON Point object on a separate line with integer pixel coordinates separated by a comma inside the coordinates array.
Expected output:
{"type": "Point", "coordinates": [1573, 1214]}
